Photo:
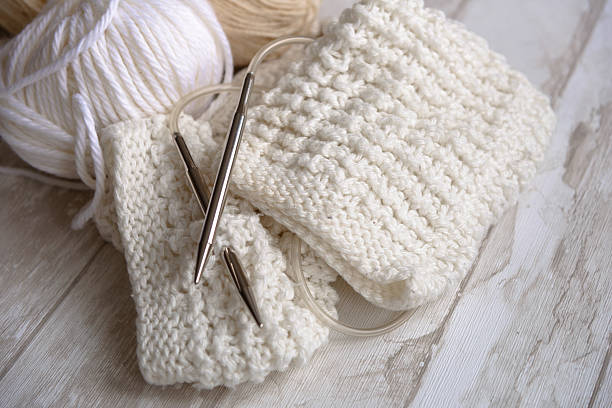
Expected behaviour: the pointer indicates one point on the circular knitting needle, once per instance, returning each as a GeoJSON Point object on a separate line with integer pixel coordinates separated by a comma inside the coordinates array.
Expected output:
{"type": "Point", "coordinates": [232, 144]}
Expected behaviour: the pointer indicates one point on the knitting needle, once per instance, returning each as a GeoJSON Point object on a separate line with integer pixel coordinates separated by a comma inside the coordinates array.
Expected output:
{"type": "Point", "coordinates": [220, 188]}
{"type": "Point", "coordinates": [244, 288]}
{"type": "Point", "coordinates": [200, 189]}
{"type": "Point", "coordinates": [232, 263]}
{"type": "Point", "coordinates": [197, 183]}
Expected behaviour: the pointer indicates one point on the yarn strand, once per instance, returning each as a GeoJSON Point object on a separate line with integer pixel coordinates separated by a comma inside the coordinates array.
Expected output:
{"type": "Point", "coordinates": [86, 133]}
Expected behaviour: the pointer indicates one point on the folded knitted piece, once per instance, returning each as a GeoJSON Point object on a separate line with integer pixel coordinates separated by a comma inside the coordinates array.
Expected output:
{"type": "Point", "coordinates": [389, 148]}
{"type": "Point", "coordinates": [203, 333]}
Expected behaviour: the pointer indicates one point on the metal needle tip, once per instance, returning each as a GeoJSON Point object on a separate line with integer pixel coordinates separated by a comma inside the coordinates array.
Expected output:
{"type": "Point", "coordinates": [204, 251]}
{"type": "Point", "coordinates": [242, 283]}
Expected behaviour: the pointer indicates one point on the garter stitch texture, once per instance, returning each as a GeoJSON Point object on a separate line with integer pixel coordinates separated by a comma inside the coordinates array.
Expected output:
{"type": "Point", "coordinates": [389, 148]}
{"type": "Point", "coordinates": [392, 147]}
{"type": "Point", "coordinates": [202, 334]}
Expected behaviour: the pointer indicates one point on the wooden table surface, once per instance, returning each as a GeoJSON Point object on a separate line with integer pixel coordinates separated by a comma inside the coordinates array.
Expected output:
{"type": "Point", "coordinates": [530, 326]}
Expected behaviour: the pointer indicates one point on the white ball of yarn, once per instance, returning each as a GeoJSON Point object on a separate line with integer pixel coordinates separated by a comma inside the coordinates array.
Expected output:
{"type": "Point", "coordinates": [84, 64]}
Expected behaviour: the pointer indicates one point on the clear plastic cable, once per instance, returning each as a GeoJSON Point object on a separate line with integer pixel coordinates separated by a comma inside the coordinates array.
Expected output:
{"type": "Point", "coordinates": [296, 268]}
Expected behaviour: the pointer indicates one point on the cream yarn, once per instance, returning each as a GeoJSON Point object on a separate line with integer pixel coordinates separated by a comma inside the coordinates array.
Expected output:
{"type": "Point", "coordinates": [84, 64]}
{"type": "Point", "coordinates": [16, 14]}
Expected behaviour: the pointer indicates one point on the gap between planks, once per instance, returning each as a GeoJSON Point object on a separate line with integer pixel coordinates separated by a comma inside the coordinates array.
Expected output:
{"type": "Point", "coordinates": [602, 373]}
{"type": "Point", "coordinates": [555, 88]}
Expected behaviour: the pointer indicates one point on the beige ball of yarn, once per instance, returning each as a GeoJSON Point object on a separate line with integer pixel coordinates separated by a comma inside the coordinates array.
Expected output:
{"type": "Point", "coordinates": [250, 24]}
{"type": "Point", "coordinates": [16, 14]}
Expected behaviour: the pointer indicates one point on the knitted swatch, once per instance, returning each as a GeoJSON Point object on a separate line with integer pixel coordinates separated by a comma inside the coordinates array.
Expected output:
{"type": "Point", "coordinates": [392, 147]}
{"type": "Point", "coordinates": [201, 334]}
{"type": "Point", "coordinates": [389, 148]}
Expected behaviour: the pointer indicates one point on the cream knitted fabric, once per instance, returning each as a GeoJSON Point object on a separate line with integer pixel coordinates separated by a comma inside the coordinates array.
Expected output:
{"type": "Point", "coordinates": [389, 148]}
{"type": "Point", "coordinates": [200, 333]}
{"type": "Point", "coordinates": [392, 146]}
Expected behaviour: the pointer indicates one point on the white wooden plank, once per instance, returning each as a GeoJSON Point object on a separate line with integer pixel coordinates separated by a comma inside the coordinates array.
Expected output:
{"type": "Point", "coordinates": [533, 327]}
{"type": "Point", "coordinates": [528, 34]}
{"type": "Point", "coordinates": [40, 254]}
{"type": "Point", "coordinates": [332, 8]}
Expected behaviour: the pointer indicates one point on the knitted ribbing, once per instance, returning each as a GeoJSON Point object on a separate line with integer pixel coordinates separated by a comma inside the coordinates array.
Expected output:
{"type": "Point", "coordinates": [392, 146]}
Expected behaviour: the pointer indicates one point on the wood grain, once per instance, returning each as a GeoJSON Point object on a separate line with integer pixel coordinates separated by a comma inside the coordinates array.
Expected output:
{"type": "Point", "coordinates": [41, 256]}
{"type": "Point", "coordinates": [529, 326]}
